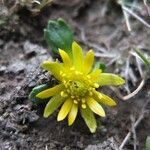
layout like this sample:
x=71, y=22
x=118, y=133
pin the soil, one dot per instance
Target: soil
x=98, y=25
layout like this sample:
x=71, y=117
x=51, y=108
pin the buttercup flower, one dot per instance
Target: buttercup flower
x=77, y=86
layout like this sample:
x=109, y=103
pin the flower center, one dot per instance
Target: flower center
x=76, y=89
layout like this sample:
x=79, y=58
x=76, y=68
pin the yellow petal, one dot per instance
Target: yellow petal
x=94, y=75
x=52, y=105
x=95, y=107
x=54, y=67
x=104, y=99
x=88, y=62
x=50, y=92
x=77, y=56
x=72, y=114
x=89, y=119
x=110, y=79
x=66, y=60
x=65, y=109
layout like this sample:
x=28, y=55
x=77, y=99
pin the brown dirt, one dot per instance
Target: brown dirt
x=22, y=49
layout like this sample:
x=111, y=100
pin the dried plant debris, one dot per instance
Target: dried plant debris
x=75, y=7
x=32, y=5
x=136, y=9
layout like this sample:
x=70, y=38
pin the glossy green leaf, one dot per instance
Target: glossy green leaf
x=148, y=143
x=89, y=119
x=100, y=65
x=37, y=90
x=59, y=35
x=144, y=59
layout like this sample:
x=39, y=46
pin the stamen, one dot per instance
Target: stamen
x=83, y=106
x=63, y=75
x=72, y=96
x=96, y=85
x=75, y=101
x=64, y=81
x=61, y=72
x=75, y=90
x=63, y=94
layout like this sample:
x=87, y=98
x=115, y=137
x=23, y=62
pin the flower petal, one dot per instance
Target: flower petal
x=54, y=67
x=95, y=107
x=50, y=92
x=65, y=109
x=88, y=62
x=104, y=99
x=110, y=79
x=72, y=114
x=77, y=56
x=66, y=59
x=89, y=119
x=94, y=75
x=52, y=105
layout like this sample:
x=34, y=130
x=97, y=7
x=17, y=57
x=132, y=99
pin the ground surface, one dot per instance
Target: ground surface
x=97, y=25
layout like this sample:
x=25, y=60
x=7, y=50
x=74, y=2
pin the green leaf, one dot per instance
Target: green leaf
x=100, y=65
x=37, y=90
x=148, y=143
x=59, y=35
x=89, y=119
x=53, y=104
x=145, y=60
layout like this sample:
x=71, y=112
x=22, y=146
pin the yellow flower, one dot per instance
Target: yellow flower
x=77, y=86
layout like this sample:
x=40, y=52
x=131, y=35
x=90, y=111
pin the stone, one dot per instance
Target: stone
x=16, y=67
x=2, y=69
x=31, y=50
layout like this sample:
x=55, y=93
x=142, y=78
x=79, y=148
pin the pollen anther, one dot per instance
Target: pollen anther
x=83, y=106
x=63, y=75
x=63, y=94
x=96, y=85
x=72, y=96
x=61, y=72
x=75, y=101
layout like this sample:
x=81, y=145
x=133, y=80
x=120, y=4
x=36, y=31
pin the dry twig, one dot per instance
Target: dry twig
x=135, y=91
x=138, y=121
x=135, y=16
x=126, y=16
x=127, y=97
x=147, y=7
x=134, y=131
